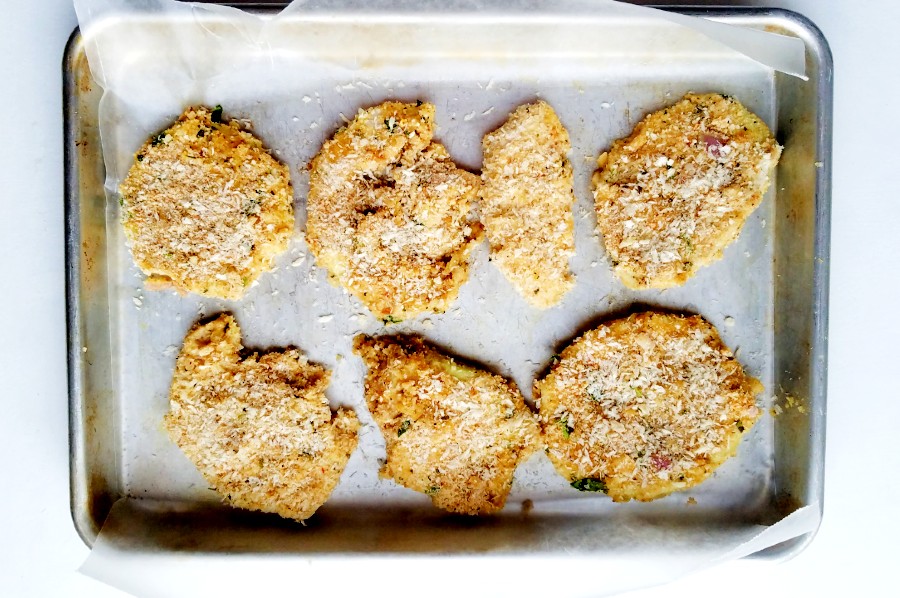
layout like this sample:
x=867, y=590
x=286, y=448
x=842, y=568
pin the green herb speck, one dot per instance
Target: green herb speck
x=404, y=428
x=432, y=490
x=390, y=319
x=564, y=426
x=740, y=425
x=216, y=116
x=251, y=206
x=590, y=485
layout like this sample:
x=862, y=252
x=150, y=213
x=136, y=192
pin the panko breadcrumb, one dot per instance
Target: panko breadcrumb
x=674, y=194
x=526, y=203
x=205, y=207
x=259, y=429
x=646, y=405
x=453, y=432
x=388, y=212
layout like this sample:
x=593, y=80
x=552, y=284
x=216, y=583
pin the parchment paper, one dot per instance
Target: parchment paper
x=149, y=573
x=294, y=78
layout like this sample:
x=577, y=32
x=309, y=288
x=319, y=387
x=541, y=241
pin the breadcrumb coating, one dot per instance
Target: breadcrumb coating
x=526, y=203
x=645, y=405
x=677, y=191
x=259, y=429
x=205, y=207
x=453, y=431
x=388, y=212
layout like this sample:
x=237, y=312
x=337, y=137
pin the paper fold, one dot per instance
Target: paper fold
x=120, y=558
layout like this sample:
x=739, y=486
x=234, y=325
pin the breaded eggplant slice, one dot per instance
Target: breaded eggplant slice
x=388, y=212
x=453, y=431
x=644, y=406
x=259, y=429
x=205, y=207
x=677, y=191
x=526, y=203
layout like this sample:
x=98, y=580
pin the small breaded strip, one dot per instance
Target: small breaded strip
x=645, y=405
x=677, y=191
x=259, y=429
x=205, y=207
x=388, y=212
x=452, y=431
x=526, y=203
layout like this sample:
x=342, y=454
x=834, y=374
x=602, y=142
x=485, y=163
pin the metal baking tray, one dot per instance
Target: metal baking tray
x=772, y=285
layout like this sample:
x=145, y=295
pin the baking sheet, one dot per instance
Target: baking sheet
x=295, y=85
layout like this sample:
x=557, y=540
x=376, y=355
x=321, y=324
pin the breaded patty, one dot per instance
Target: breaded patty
x=205, y=207
x=259, y=429
x=675, y=193
x=388, y=212
x=452, y=431
x=526, y=203
x=646, y=405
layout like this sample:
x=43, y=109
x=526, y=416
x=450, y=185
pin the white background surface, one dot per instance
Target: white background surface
x=855, y=548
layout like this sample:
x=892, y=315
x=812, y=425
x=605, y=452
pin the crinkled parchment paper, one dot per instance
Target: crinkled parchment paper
x=294, y=78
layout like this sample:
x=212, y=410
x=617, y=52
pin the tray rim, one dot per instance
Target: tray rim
x=816, y=44
x=85, y=526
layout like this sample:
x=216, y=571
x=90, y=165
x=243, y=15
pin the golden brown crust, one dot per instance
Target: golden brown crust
x=205, y=207
x=677, y=191
x=388, y=212
x=259, y=429
x=645, y=405
x=453, y=432
x=526, y=203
